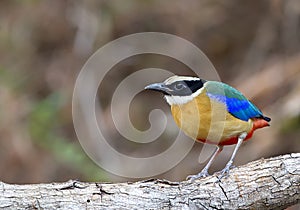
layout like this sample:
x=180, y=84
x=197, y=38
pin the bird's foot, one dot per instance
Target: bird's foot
x=225, y=171
x=203, y=173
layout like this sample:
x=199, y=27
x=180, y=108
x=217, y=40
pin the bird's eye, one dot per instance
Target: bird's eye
x=179, y=86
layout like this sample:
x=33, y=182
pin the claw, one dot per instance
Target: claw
x=225, y=171
x=203, y=173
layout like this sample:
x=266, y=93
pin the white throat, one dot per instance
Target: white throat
x=179, y=100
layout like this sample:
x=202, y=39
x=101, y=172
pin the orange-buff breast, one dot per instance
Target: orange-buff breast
x=207, y=120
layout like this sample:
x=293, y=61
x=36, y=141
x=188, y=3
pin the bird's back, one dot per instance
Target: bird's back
x=237, y=104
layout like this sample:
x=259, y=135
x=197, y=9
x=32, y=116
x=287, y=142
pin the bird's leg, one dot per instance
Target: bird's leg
x=225, y=171
x=204, y=171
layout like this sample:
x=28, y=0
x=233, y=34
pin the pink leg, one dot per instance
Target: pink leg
x=225, y=171
x=204, y=171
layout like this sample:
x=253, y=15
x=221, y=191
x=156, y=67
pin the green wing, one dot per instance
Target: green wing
x=237, y=104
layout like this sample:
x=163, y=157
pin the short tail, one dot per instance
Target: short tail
x=266, y=118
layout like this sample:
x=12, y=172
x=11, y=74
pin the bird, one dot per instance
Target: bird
x=211, y=112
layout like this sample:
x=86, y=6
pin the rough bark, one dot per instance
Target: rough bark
x=264, y=184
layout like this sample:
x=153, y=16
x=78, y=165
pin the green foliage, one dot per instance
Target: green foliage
x=44, y=121
x=290, y=125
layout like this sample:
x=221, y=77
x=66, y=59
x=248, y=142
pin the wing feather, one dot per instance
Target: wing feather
x=237, y=104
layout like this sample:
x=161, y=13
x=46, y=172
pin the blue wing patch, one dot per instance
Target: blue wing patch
x=237, y=104
x=242, y=109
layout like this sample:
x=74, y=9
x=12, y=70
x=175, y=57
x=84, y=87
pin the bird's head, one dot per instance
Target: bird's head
x=179, y=89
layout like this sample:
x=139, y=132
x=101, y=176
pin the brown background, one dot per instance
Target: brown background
x=254, y=45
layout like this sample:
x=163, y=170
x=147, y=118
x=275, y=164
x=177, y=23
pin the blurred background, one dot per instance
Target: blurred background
x=254, y=45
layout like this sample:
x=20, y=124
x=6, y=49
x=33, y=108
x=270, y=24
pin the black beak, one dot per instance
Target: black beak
x=160, y=87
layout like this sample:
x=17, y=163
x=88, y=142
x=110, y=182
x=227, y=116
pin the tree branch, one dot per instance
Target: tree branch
x=264, y=184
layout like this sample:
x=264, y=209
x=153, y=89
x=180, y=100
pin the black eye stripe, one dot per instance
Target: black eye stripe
x=174, y=85
x=189, y=87
x=194, y=85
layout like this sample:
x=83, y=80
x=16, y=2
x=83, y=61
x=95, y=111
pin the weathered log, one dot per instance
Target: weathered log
x=272, y=183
